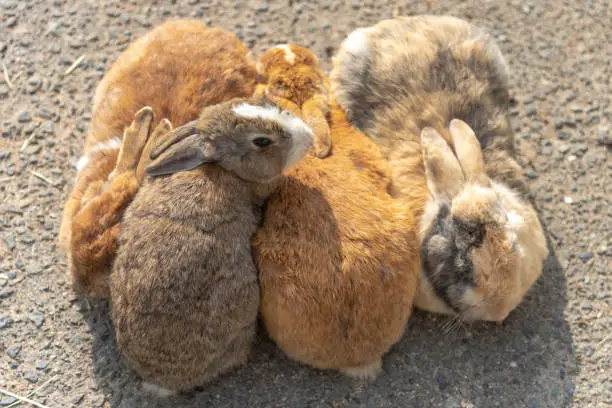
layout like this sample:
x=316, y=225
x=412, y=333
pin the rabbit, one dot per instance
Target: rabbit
x=184, y=287
x=338, y=257
x=482, y=245
x=176, y=69
x=289, y=80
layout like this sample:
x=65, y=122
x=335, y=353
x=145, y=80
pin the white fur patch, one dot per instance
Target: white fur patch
x=357, y=43
x=301, y=133
x=368, y=372
x=289, y=55
x=111, y=144
x=157, y=390
x=80, y=165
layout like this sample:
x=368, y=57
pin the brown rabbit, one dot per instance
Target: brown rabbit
x=338, y=257
x=290, y=77
x=177, y=69
x=482, y=243
x=184, y=285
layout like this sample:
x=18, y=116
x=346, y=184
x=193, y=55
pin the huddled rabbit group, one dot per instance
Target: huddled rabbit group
x=214, y=189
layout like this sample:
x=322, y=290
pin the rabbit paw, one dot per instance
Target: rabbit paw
x=367, y=372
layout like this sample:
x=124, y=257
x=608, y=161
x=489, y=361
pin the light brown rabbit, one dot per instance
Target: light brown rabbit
x=338, y=257
x=290, y=79
x=482, y=243
x=177, y=69
x=184, y=285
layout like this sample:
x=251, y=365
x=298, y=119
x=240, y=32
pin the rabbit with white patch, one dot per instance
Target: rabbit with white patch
x=421, y=87
x=184, y=285
x=176, y=69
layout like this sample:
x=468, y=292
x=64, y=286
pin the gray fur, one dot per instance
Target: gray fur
x=184, y=286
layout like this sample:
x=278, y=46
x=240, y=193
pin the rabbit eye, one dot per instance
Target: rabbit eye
x=262, y=142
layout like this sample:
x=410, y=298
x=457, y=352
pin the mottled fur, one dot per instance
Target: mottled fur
x=177, y=69
x=338, y=257
x=402, y=75
x=291, y=78
x=184, y=285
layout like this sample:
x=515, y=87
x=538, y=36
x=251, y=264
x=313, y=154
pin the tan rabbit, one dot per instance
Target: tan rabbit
x=290, y=79
x=338, y=257
x=482, y=243
x=184, y=285
x=177, y=69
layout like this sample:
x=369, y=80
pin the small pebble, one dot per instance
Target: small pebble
x=13, y=352
x=5, y=322
x=443, y=383
x=24, y=117
x=569, y=387
x=6, y=293
x=6, y=401
x=563, y=135
x=42, y=365
x=530, y=109
x=37, y=318
x=30, y=376
x=585, y=256
x=533, y=402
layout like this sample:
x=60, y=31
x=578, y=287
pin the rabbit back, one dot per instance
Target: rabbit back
x=337, y=256
x=184, y=286
x=404, y=74
x=177, y=69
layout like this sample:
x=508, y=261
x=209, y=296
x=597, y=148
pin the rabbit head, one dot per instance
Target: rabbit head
x=290, y=72
x=482, y=247
x=255, y=142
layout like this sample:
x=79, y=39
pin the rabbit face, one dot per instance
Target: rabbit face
x=290, y=72
x=257, y=143
x=471, y=252
x=470, y=255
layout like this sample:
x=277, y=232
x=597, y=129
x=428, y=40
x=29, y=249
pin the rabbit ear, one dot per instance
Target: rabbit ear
x=469, y=152
x=172, y=138
x=190, y=151
x=444, y=176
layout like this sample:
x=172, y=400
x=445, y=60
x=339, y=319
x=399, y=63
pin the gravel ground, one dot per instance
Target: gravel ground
x=554, y=351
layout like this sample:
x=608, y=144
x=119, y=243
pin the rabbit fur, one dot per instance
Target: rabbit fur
x=337, y=255
x=288, y=79
x=184, y=285
x=482, y=243
x=176, y=69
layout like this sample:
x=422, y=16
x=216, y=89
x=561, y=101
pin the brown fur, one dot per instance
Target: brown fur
x=449, y=70
x=184, y=285
x=177, y=69
x=291, y=78
x=338, y=257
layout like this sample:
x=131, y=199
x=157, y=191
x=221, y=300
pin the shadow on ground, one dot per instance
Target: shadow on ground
x=528, y=361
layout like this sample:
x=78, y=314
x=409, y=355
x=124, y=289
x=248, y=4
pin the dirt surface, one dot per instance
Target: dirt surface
x=554, y=351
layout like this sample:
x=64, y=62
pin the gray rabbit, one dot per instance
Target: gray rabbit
x=184, y=286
